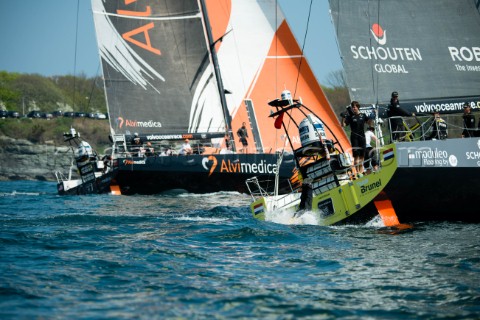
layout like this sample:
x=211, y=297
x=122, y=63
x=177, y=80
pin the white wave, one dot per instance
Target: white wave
x=376, y=222
x=183, y=218
x=287, y=217
x=15, y=194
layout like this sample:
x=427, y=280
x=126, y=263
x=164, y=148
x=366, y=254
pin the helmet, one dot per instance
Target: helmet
x=394, y=94
x=136, y=134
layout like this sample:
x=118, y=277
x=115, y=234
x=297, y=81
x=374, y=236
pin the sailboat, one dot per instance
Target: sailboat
x=427, y=51
x=95, y=174
x=199, y=69
x=327, y=189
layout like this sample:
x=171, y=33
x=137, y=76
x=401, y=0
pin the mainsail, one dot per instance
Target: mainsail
x=427, y=50
x=157, y=69
x=159, y=74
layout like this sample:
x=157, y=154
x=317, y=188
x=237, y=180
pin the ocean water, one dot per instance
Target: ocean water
x=187, y=256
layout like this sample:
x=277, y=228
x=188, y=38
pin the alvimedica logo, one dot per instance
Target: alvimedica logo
x=137, y=124
x=119, y=122
x=227, y=166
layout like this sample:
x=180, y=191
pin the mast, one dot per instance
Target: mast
x=221, y=89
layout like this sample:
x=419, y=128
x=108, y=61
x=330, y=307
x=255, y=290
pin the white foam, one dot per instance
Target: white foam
x=183, y=218
x=287, y=217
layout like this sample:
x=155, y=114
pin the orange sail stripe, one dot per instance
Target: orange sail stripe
x=219, y=12
x=277, y=70
x=280, y=72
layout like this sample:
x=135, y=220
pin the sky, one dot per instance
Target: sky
x=39, y=36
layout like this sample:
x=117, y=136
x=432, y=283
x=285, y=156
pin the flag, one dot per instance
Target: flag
x=278, y=121
x=258, y=208
x=388, y=154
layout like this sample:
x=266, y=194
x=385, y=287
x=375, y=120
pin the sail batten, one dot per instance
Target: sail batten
x=196, y=15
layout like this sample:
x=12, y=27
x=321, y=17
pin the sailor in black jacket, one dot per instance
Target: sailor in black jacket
x=357, y=121
x=468, y=121
x=439, y=128
x=395, y=111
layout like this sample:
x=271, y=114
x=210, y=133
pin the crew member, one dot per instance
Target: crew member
x=186, y=148
x=370, y=154
x=243, y=135
x=357, y=135
x=439, y=128
x=468, y=121
x=395, y=112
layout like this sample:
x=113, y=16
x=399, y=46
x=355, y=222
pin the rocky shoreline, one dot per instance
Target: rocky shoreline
x=23, y=160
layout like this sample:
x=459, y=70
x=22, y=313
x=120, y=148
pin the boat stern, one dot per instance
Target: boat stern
x=258, y=208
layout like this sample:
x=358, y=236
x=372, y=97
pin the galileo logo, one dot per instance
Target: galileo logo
x=453, y=160
x=379, y=34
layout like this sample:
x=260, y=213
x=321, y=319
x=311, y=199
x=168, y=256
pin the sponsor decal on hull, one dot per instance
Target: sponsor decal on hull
x=367, y=186
x=227, y=166
x=435, y=157
x=130, y=162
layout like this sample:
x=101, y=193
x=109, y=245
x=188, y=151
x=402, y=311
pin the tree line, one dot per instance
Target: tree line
x=27, y=92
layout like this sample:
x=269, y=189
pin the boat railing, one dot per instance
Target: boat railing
x=257, y=190
x=125, y=149
x=60, y=177
x=419, y=128
x=263, y=188
x=284, y=201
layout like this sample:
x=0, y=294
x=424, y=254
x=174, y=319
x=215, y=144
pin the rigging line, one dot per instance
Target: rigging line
x=94, y=83
x=369, y=26
x=377, y=74
x=75, y=54
x=303, y=47
x=276, y=65
x=276, y=48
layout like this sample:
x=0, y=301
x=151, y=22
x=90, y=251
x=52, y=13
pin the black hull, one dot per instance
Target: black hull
x=100, y=185
x=437, y=181
x=199, y=173
x=435, y=194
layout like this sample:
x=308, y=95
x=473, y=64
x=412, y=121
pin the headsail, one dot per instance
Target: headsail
x=259, y=58
x=157, y=68
x=428, y=51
